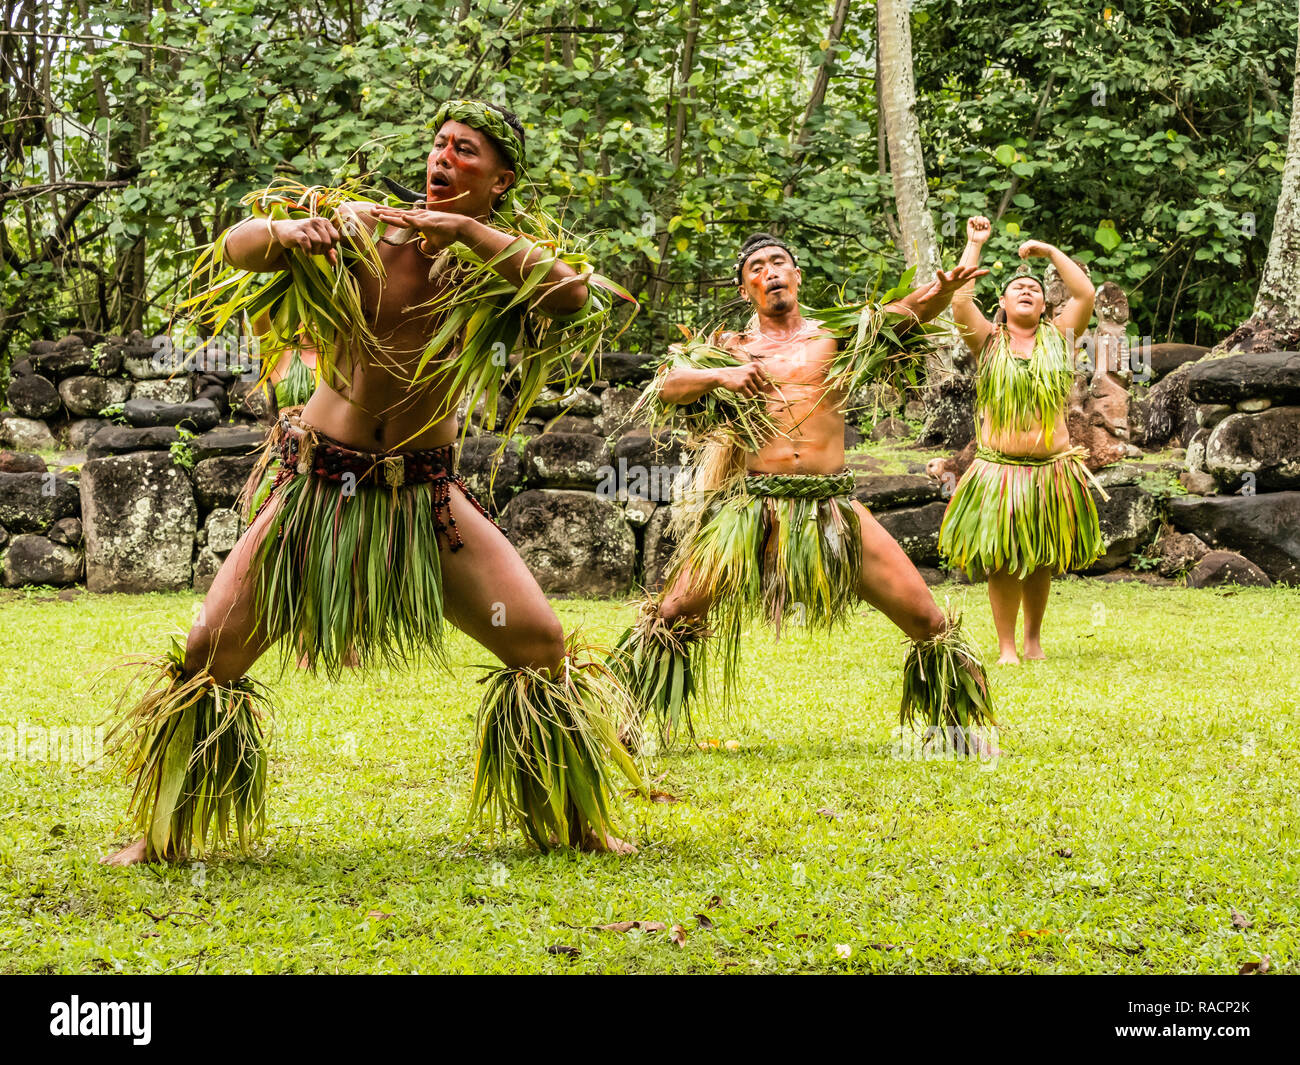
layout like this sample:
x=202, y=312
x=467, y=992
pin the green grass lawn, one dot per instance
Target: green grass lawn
x=1148, y=789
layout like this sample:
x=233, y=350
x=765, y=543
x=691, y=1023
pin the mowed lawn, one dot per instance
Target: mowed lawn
x=1147, y=793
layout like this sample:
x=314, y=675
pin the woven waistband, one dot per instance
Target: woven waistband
x=305, y=450
x=1074, y=455
x=800, y=485
x=989, y=455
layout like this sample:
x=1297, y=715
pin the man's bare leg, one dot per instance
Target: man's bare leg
x=226, y=638
x=492, y=597
x=1005, y=593
x=891, y=583
x=1036, y=589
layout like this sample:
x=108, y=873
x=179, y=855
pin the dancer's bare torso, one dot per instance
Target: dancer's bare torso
x=377, y=410
x=809, y=415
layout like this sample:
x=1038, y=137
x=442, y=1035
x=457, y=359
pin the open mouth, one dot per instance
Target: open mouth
x=439, y=181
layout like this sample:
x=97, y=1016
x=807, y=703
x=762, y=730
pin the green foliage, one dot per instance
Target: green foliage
x=1157, y=157
x=182, y=452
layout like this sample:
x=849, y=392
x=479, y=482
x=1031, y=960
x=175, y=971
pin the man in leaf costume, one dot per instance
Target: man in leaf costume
x=772, y=530
x=369, y=541
x=1023, y=510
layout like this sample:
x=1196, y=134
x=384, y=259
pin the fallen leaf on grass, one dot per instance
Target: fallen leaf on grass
x=560, y=948
x=663, y=796
x=627, y=926
x=704, y=923
x=732, y=745
x=761, y=929
x=678, y=935
x=843, y=950
x=1036, y=933
x=1065, y=852
x=1256, y=968
x=714, y=902
x=379, y=915
x=828, y=813
x=1240, y=920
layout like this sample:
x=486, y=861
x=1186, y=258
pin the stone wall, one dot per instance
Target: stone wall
x=142, y=498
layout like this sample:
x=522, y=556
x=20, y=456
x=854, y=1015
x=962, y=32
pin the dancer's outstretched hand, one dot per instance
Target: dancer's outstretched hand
x=440, y=228
x=978, y=229
x=929, y=300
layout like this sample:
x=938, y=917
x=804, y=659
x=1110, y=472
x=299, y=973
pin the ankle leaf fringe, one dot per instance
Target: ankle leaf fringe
x=197, y=750
x=944, y=683
x=547, y=750
x=662, y=663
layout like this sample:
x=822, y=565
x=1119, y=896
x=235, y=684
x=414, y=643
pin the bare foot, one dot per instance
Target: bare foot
x=1008, y=658
x=606, y=843
x=1034, y=650
x=127, y=855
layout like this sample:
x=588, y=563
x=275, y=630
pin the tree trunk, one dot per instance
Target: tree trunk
x=906, y=163
x=818, y=96
x=1275, y=323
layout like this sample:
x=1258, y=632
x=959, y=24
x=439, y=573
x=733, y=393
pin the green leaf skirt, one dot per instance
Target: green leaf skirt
x=788, y=549
x=349, y=572
x=1018, y=515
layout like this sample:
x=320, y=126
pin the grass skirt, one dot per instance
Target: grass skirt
x=1009, y=513
x=787, y=549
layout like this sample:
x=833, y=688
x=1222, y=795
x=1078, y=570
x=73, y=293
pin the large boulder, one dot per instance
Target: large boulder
x=34, y=396
x=32, y=502
x=248, y=399
x=657, y=550
x=218, y=481
x=82, y=431
x=26, y=434
x=566, y=460
x=87, y=395
x=1226, y=567
x=228, y=440
x=163, y=390
x=1167, y=415
x=917, y=530
x=33, y=559
x=573, y=542
x=1176, y=553
x=882, y=491
x=147, y=359
x=197, y=417
x=643, y=467
x=220, y=530
x=1263, y=527
x=494, y=473
x=1273, y=375
x=627, y=368
x=21, y=462
x=1165, y=358
x=121, y=439
x=1265, y=445
x=1128, y=521
x=139, y=518
x=950, y=413
x=616, y=404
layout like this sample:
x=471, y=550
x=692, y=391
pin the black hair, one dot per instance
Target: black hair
x=753, y=243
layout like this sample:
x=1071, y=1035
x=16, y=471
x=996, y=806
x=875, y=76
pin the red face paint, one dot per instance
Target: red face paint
x=464, y=161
